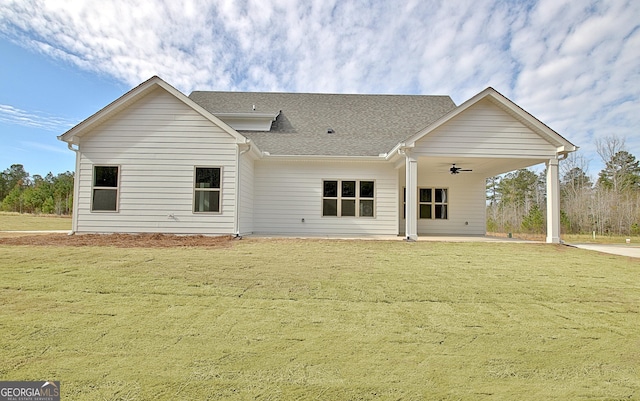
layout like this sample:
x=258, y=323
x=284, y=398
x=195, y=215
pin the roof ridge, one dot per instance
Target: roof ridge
x=318, y=93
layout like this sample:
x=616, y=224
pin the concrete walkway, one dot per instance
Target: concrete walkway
x=422, y=238
x=632, y=251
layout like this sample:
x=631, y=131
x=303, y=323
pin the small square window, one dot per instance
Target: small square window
x=348, y=207
x=207, y=201
x=329, y=207
x=105, y=199
x=366, y=208
x=425, y=195
x=330, y=189
x=366, y=189
x=208, y=178
x=348, y=189
x=425, y=211
x=105, y=176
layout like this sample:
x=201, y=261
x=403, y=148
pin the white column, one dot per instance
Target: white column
x=553, y=202
x=411, y=228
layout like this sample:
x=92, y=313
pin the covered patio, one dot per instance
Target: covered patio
x=486, y=136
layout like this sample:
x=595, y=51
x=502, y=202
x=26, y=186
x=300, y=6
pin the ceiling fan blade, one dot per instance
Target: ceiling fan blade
x=456, y=170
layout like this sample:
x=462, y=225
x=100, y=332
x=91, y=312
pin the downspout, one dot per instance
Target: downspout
x=236, y=228
x=76, y=189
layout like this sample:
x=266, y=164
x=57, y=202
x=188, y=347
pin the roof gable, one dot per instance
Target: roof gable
x=562, y=145
x=133, y=96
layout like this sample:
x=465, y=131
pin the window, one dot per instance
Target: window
x=104, y=196
x=348, y=198
x=207, y=190
x=433, y=203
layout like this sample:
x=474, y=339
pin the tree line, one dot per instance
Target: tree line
x=23, y=193
x=516, y=201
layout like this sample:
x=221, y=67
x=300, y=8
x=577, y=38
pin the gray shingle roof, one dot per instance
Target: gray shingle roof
x=364, y=125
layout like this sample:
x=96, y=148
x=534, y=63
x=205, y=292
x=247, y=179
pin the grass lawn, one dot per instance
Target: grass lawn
x=27, y=222
x=322, y=320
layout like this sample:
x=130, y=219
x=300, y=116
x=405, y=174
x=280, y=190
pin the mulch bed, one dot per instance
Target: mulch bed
x=120, y=240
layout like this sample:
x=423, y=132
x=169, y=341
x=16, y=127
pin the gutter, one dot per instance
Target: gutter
x=381, y=157
x=76, y=189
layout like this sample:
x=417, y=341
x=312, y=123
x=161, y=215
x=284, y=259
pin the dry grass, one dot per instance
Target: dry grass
x=27, y=222
x=312, y=319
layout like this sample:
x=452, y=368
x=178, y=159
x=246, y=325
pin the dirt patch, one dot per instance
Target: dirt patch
x=120, y=240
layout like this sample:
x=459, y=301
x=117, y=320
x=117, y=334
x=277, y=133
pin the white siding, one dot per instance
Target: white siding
x=287, y=192
x=466, y=206
x=246, y=194
x=157, y=142
x=484, y=130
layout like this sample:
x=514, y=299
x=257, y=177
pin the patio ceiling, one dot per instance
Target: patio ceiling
x=486, y=167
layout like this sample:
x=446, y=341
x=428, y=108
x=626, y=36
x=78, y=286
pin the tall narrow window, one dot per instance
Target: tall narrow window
x=404, y=203
x=366, y=198
x=348, y=198
x=207, y=190
x=426, y=203
x=441, y=204
x=104, y=197
x=330, y=198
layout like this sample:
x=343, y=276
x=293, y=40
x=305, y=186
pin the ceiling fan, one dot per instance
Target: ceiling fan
x=456, y=170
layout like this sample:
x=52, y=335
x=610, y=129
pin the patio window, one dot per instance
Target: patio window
x=433, y=203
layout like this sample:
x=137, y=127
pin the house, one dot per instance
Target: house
x=157, y=161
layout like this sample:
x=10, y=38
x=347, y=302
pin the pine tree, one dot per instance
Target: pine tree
x=621, y=173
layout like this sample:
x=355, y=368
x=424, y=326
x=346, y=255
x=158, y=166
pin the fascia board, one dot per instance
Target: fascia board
x=249, y=115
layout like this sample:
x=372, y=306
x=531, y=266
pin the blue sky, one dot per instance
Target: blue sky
x=573, y=64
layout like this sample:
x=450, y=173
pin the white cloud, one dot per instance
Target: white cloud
x=58, y=148
x=573, y=64
x=16, y=116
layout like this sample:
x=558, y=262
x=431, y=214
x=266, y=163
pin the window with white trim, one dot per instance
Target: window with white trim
x=433, y=203
x=348, y=198
x=105, y=188
x=207, y=189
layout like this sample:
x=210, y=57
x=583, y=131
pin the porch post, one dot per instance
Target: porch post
x=411, y=228
x=553, y=202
